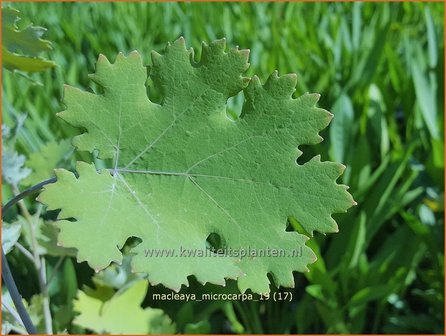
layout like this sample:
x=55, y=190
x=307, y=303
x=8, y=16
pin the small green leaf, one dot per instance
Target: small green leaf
x=34, y=309
x=10, y=235
x=47, y=239
x=46, y=234
x=26, y=41
x=12, y=61
x=108, y=317
x=13, y=170
x=44, y=162
x=202, y=327
x=21, y=47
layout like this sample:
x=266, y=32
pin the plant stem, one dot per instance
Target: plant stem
x=46, y=298
x=6, y=271
x=15, y=295
x=39, y=261
x=25, y=193
x=237, y=327
x=23, y=249
x=13, y=313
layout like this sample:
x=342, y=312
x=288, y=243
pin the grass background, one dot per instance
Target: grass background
x=378, y=67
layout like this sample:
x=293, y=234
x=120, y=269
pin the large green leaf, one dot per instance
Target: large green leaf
x=183, y=170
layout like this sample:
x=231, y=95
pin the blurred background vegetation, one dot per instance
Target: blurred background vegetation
x=379, y=67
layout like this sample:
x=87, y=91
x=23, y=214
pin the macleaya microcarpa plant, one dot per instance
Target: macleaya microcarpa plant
x=185, y=168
